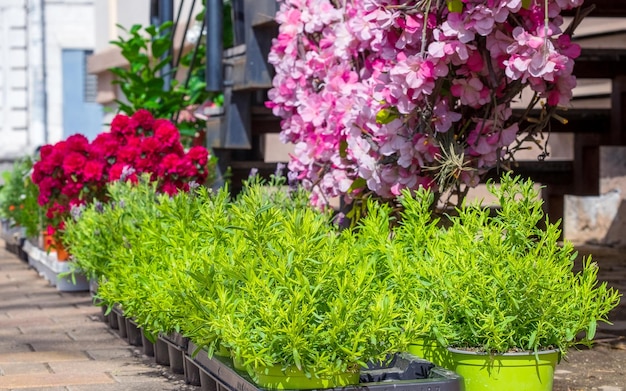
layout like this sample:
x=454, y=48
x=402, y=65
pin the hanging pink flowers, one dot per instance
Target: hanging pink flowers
x=377, y=95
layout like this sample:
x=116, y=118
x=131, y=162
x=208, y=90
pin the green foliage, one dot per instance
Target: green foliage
x=18, y=198
x=143, y=84
x=498, y=281
x=274, y=282
x=293, y=291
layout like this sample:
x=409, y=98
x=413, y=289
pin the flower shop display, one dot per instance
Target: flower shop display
x=74, y=172
x=279, y=289
x=503, y=287
x=215, y=270
x=378, y=96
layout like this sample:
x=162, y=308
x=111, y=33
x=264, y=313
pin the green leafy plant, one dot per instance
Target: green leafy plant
x=296, y=292
x=18, y=198
x=501, y=283
x=147, y=51
x=143, y=83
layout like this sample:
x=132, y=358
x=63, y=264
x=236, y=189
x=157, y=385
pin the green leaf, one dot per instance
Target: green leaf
x=359, y=183
x=591, y=329
x=455, y=6
x=160, y=47
x=385, y=116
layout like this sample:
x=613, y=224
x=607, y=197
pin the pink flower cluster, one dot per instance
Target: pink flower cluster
x=74, y=171
x=370, y=92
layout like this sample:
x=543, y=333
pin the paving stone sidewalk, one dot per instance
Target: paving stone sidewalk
x=56, y=341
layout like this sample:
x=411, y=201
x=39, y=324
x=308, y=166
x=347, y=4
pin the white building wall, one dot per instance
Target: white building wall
x=69, y=24
x=13, y=79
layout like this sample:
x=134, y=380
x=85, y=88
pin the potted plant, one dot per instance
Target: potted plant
x=511, y=301
x=298, y=304
x=74, y=172
x=18, y=205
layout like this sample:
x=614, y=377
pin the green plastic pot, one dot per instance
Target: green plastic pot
x=294, y=379
x=522, y=371
x=432, y=351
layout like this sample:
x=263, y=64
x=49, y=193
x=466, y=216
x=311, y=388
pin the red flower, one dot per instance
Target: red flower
x=115, y=173
x=46, y=189
x=169, y=188
x=145, y=119
x=150, y=145
x=186, y=168
x=167, y=134
x=73, y=163
x=104, y=146
x=198, y=155
x=72, y=190
x=74, y=172
x=38, y=175
x=128, y=154
x=77, y=143
x=119, y=123
x=45, y=151
x=169, y=164
x=93, y=170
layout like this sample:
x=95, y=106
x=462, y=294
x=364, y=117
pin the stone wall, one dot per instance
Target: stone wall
x=601, y=219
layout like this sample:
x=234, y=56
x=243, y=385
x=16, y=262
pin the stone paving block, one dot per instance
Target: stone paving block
x=86, y=324
x=53, y=380
x=43, y=335
x=136, y=376
x=16, y=368
x=9, y=332
x=16, y=298
x=85, y=336
x=67, y=312
x=69, y=367
x=52, y=356
x=109, y=354
x=156, y=385
x=44, y=346
x=24, y=321
x=14, y=346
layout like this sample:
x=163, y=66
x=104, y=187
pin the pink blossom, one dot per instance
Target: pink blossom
x=365, y=91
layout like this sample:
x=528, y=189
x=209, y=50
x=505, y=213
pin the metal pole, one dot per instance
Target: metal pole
x=214, y=45
x=166, y=13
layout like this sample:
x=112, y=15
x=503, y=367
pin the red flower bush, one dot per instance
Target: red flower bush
x=74, y=172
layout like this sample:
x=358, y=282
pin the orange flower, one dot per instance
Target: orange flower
x=12, y=208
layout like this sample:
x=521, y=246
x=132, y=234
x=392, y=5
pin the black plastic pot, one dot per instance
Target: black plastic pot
x=405, y=373
x=161, y=354
x=121, y=324
x=192, y=372
x=148, y=346
x=176, y=348
x=134, y=333
x=113, y=320
x=105, y=317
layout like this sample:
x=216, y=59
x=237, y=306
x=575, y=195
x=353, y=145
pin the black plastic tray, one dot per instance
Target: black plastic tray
x=222, y=372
